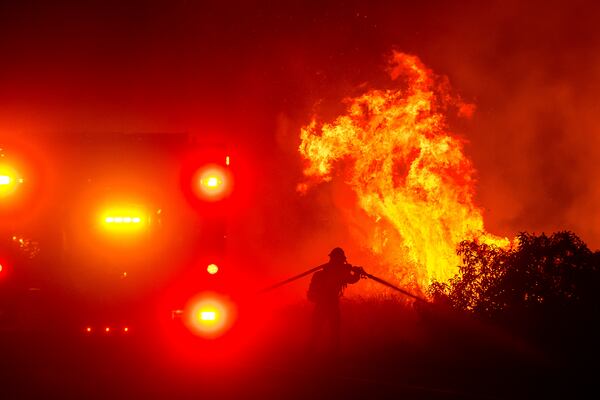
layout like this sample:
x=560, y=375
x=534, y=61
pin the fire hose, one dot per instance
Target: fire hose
x=386, y=283
x=293, y=278
x=362, y=273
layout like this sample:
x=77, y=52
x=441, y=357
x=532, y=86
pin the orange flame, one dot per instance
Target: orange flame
x=409, y=172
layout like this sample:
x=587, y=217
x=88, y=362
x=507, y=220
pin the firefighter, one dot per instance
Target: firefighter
x=326, y=287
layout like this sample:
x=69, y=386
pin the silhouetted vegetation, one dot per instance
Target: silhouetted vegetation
x=545, y=288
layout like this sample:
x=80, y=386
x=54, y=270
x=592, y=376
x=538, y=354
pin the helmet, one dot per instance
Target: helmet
x=337, y=254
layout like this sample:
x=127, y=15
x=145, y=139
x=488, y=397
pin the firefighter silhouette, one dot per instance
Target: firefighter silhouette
x=326, y=287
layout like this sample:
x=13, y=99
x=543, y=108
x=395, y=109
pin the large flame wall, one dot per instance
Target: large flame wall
x=408, y=170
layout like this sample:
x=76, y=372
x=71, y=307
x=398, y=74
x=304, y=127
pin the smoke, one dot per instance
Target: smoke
x=534, y=138
x=256, y=75
x=532, y=72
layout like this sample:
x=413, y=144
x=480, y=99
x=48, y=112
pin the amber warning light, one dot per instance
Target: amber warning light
x=212, y=269
x=124, y=219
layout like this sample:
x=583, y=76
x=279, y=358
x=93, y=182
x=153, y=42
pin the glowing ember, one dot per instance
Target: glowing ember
x=408, y=171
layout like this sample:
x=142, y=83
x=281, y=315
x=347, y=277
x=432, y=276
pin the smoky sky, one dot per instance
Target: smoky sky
x=256, y=72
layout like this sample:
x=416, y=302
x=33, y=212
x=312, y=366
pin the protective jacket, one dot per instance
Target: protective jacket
x=328, y=284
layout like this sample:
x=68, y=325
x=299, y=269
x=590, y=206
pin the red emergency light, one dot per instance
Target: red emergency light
x=4, y=269
x=106, y=330
x=212, y=182
x=9, y=180
x=209, y=315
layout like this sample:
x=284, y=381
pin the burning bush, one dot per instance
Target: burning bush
x=545, y=286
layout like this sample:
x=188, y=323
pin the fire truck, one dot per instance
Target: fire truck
x=112, y=234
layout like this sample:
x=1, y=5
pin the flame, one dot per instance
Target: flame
x=409, y=172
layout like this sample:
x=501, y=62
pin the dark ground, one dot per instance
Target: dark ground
x=426, y=354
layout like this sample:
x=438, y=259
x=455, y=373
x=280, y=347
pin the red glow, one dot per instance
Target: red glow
x=183, y=341
x=126, y=329
x=230, y=187
x=88, y=329
x=107, y=329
